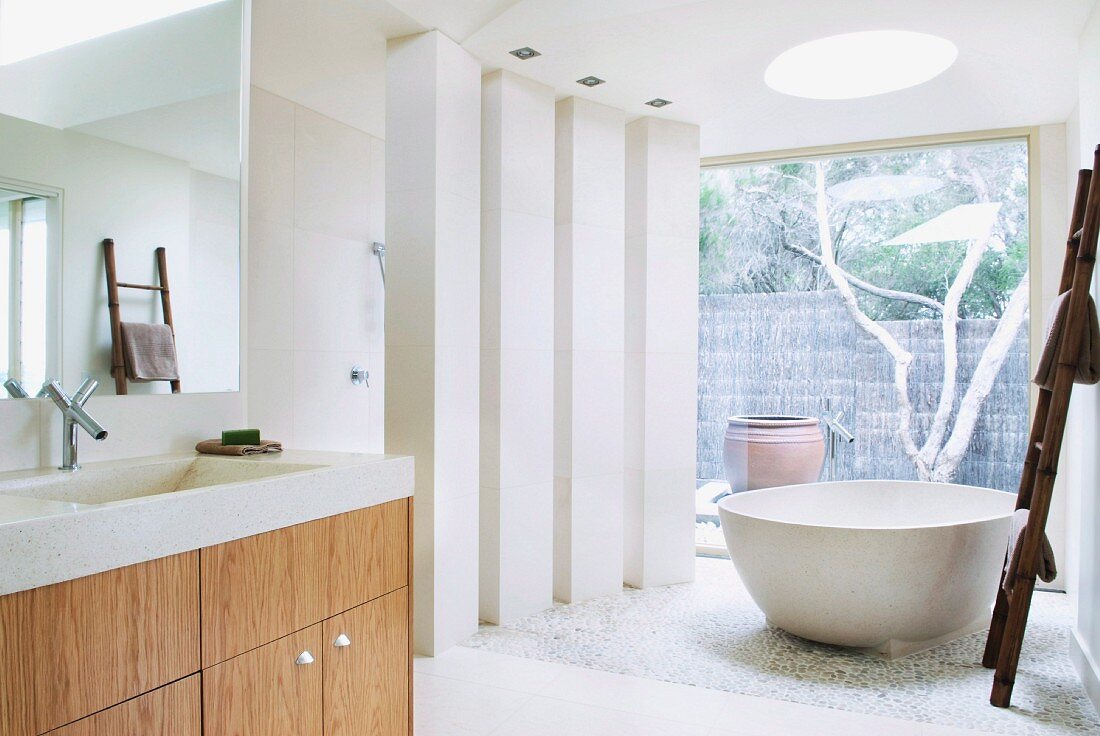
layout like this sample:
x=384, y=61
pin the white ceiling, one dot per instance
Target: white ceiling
x=171, y=86
x=328, y=55
x=193, y=54
x=1016, y=66
x=204, y=131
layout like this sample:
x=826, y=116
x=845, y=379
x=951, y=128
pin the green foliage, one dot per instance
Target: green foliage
x=758, y=221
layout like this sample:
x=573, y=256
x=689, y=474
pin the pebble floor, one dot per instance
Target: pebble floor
x=710, y=634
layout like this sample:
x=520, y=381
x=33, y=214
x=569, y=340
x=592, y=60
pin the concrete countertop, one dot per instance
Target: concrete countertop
x=58, y=526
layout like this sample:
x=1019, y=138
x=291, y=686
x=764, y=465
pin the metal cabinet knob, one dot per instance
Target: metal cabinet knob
x=304, y=658
x=360, y=376
x=342, y=641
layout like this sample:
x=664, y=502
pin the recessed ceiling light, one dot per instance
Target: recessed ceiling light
x=591, y=81
x=658, y=102
x=860, y=64
x=525, y=53
x=32, y=27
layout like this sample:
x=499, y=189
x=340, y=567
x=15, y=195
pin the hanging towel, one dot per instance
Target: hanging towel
x=149, y=352
x=1088, y=363
x=1047, y=571
x=215, y=447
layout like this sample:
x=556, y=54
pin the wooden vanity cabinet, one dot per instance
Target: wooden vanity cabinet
x=74, y=648
x=276, y=689
x=173, y=710
x=118, y=653
x=366, y=669
x=348, y=676
x=257, y=589
x=101, y=639
x=16, y=665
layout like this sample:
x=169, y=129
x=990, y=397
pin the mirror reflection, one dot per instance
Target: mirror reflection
x=120, y=122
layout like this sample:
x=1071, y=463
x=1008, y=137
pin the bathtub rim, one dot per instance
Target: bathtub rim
x=732, y=498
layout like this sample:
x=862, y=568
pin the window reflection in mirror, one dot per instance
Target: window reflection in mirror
x=24, y=287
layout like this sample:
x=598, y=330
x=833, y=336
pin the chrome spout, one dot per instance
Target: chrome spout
x=15, y=389
x=74, y=415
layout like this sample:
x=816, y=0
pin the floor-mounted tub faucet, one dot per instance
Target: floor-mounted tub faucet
x=72, y=410
x=834, y=432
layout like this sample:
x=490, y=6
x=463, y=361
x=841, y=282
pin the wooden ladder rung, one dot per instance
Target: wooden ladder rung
x=146, y=287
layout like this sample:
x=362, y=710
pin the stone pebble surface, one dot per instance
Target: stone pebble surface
x=710, y=634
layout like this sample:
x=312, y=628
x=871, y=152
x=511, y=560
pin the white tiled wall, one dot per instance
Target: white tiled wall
x=136, y=426
x=589, y=342
x=517, y=347
x=433, y=121
x=662, y=316
x=316, y=299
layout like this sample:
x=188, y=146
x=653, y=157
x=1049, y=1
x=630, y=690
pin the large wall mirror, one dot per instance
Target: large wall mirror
x=120, y=120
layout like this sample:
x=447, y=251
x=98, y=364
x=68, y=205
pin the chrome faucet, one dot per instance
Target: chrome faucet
x=16, y=391
x=834, y=432
x=72, y=410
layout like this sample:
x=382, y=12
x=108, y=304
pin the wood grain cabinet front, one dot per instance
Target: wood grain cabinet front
x=259, y=588
x=275, y=690
x=366, y=669
x=102, y=639
x=173, y=710
x=16, y=665
x=348, y=676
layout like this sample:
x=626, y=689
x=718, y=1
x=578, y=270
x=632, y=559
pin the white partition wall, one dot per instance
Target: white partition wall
x=433, y=210
x=588, y=325
x=662, y=318
x=517, y=347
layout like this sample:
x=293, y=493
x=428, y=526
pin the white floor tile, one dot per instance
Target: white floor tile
x=549, y=717
x=488, y=668
x=468, y=692
x=448, y=707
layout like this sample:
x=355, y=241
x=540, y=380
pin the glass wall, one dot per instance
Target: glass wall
x=890, y=288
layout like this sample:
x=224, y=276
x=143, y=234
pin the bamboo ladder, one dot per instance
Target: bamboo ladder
x=1006, y=629
x=118, y=365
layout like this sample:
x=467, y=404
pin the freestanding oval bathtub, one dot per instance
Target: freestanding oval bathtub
x=892, y=566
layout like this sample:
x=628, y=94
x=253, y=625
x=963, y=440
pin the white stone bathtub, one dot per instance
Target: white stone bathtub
x=890, y=566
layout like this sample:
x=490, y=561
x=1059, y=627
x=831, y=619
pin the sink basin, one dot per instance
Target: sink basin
x=93, y=486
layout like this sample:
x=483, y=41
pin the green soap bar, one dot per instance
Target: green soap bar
x=241, y=437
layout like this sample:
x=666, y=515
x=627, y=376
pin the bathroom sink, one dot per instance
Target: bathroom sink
x=105, y=485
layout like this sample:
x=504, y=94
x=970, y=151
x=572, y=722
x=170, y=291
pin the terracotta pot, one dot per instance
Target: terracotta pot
x=763, y=451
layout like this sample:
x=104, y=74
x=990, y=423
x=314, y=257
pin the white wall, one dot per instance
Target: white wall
x=209, y=328
x=137, y=426
x=433, y=211
x=517, y=347
x=662, y=350
x=316, y=299
x=589, y=325
x=1085, y=412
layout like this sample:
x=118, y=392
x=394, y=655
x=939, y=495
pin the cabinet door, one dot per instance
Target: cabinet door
x=104, y=638
x=368, y=554
x=173, y=710
x=257, y=589
x=367, y=669
x=16, y=673
x=273, y=690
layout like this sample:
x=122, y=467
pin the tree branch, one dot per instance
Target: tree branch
x=856, y=281
x=981, y=384
x=902, y=357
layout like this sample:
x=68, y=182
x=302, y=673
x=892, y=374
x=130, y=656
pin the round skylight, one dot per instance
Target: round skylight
x=860, y=64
